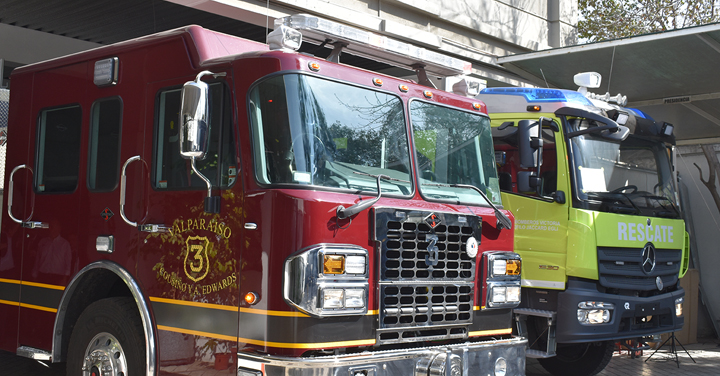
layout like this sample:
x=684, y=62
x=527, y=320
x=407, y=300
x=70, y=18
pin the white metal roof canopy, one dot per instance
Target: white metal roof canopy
x=673, y=76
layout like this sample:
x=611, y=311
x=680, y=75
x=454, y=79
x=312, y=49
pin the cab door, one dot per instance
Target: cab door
x=189, y=264
x=50, y=231
x=541, y=214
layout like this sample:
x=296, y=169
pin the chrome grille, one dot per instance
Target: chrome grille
x=621, y=268
x=418, y=300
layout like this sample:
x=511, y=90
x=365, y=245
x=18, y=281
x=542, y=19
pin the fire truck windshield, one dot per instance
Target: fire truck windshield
x=454, y=147
x=631, y=177
x=317, y=132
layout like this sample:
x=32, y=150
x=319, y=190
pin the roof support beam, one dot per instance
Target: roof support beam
x=710, y=42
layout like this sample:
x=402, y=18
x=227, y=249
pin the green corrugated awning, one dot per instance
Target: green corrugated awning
x=674, y=76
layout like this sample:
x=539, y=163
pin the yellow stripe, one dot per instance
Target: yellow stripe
x=194, y=304
x=362, y=342
x=27, y=283
x=196, y=333
x=476, y=308
x=10, y=303
x=31, y=306
x=43, y=285
x=273, y=313
x=490, y=332
x=235, y=309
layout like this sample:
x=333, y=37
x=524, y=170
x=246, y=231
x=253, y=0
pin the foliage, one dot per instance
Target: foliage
x=613, y=19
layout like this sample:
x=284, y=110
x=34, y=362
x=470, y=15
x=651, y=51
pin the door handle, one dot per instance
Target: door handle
x=123, y=190
x=24, y=223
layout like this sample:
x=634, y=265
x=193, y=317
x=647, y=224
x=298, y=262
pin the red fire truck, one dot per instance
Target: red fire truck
x=189, y=197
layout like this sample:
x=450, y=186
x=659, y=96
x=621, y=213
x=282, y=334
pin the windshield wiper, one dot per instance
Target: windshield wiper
x=502, y=220
x=342, y=212
x=617, y=198
x=666, y=213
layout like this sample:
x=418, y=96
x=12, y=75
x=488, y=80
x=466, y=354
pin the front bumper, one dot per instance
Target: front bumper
x=474, y=358
x=626, y=317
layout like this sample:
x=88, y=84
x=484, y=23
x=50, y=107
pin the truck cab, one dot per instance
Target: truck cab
x=190, y=198
x=592, y=188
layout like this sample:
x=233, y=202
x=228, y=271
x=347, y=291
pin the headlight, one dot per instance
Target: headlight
x=499, y=267
x=328, y=280
x=591, y=313
x=501, y=295
x=343, y=264
x=333, y=298
x=678, y=306
x=354, y=298
x=502, y=281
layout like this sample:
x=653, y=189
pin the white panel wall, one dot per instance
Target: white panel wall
x=706, y=225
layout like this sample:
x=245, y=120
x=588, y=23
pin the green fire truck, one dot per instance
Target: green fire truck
x=592, y=188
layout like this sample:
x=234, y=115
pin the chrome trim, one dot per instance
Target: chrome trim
x=10, y=195
x=123, y=189
x=500, y=280
x=303, y=280
x=467, y=358
x=150, y=348
x=33, y=353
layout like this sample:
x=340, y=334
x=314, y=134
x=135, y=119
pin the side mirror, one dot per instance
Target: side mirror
x=527, y=181
x=530, y=143
x=194, y=125
x=195, y=130
x=618, y=135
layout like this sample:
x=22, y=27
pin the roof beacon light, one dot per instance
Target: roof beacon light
x=587, y=80
x=284, y=38
x=377, y=47
x=466, y=87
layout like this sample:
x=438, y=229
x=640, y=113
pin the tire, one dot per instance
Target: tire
x=109, y=333
x=579, y=359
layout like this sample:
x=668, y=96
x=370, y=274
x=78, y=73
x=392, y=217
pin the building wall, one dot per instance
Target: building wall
x=704, y=228
x=475, y=30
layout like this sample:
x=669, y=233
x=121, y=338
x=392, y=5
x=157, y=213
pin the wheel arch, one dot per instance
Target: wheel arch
x=98, y=280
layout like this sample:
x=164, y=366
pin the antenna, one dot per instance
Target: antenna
x=611, y=69
x=543, y=74
x=267, y=17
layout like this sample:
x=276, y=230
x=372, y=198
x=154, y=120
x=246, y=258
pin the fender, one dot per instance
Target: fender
x=150, y=349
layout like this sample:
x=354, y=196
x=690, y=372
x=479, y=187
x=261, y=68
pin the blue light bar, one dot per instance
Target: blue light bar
x=537, y=95
x=639, y=113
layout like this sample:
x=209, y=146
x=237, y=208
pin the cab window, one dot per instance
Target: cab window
x=58, y=148
x=170, y=170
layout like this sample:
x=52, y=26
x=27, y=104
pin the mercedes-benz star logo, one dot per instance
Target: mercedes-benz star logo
x=648, y=259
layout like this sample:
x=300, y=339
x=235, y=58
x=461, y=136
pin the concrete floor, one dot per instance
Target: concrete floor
x=706, y=354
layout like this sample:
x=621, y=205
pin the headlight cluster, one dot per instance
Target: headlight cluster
x=678, y=306
x=592, y=313
x=503, y=279
x=328, y=280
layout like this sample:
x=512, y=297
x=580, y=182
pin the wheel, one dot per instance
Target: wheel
x=579, y=359
x=107, y=340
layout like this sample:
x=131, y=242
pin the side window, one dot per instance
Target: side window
x=104, y=150
x=507, y=157
x=170, y=170
x=58, y=149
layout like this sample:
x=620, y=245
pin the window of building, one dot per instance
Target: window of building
x=58, y=148
x=104, y=151
x=172, y=171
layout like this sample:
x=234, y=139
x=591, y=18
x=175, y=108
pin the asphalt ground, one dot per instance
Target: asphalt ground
x=706, y=354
